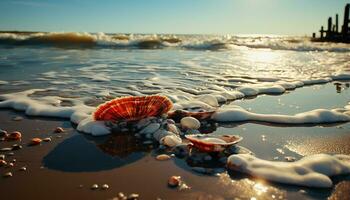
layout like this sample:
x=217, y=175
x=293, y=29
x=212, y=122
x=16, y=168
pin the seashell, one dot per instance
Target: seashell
x=190, y=123
x=174, y=181
x=48, y=139
x=3, y=163
x=171, y=140
x=133, y=108
x=8, y=174
x=163, y=157
x=15, y=135
x=105, y=186
x=94, y=187
x=200, y=115
x=133, y=196
x=151, y=128
x=172, y=128
x=213, y=143
x=35, y=141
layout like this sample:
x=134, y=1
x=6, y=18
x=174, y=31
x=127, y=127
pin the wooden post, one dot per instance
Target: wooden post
x=313, y=35
x=336, y=23
x=329, y=29
x=321, y=31
x=345, y=29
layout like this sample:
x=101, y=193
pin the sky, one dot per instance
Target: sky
x=282, y=17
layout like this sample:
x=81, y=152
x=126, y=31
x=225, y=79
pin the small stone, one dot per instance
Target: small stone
x=35, y=141
x=163, y=157
x=290, y=158
x=151, y=128
x=3, y=163
x=48, y=139
x=133, y=196
x=105, y=186
x=5, y=149
x=3, y=133
x=17, y=118
x=58, y=130
x=94, y=187
x=16, y=147
x=23, y=169
x=174, y=181
x=190, y=123
x=8, y=174
x=15, y=135
x=121, y=195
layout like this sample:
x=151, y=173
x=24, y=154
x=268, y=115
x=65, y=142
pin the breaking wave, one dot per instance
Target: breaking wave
x=144, y=41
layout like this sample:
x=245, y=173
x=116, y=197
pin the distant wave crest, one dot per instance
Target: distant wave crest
x=142, y=41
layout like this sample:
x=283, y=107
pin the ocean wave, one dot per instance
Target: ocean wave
x=144, y=41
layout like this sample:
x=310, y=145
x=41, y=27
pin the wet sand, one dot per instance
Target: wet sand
x=72, y=162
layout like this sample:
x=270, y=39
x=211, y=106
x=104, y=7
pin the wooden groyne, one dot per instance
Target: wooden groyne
x=332, y=34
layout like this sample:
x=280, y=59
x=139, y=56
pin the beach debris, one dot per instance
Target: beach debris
x=94, y=187
x=174, y=181
x=190, y=123
x=105, y=187
x=8, y=174
x=5, y=149
x=58, y=130
x=16, y=147
x=23, y=169
x=35, y=141
x=3, y=163
x=133, y=108
x=213, y=143
x=48, y=139
x=15, y=135
x=163, y=157
x=133, y=196
x=2, y=157
x=10, y=164
x=17, y=118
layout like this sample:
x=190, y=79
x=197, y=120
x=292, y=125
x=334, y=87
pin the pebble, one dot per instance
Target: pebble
x=290, y=158
x=23, y=169
x=163, y=157
x=3, y=163
x=105, y=186
x=133, y=196
x=151, y=128
x=58, y=130
x=6, y=149
x=35, y=141
x=94, y=187
x=121, y=195
x=17, y=118
x=48, y=139
x=174, y=181
x=172, y=128
x=3, y=133
x=8, y=174
x=15, y=135
x=190, y=123
x=16, y=147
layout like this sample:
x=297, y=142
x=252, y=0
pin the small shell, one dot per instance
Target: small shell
x=35, y=141
x=172, y=128
x=171, y=140
x=163, y=157
x=15, y=135
x=58, y=130
x=190, y=123
x=105, y=186
x=3, y=163
x=174, y=181
x=48, y=139
x=8, y=174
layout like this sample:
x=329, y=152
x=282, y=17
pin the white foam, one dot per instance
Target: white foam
x=3, y=82
x=310, y=171
x=233, y=113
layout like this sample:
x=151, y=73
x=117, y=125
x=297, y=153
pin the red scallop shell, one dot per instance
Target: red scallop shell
x=133, y=108
x=206, y=146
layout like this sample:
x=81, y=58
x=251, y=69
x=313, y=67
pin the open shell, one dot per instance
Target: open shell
x=133, y=108
x=213, y=143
